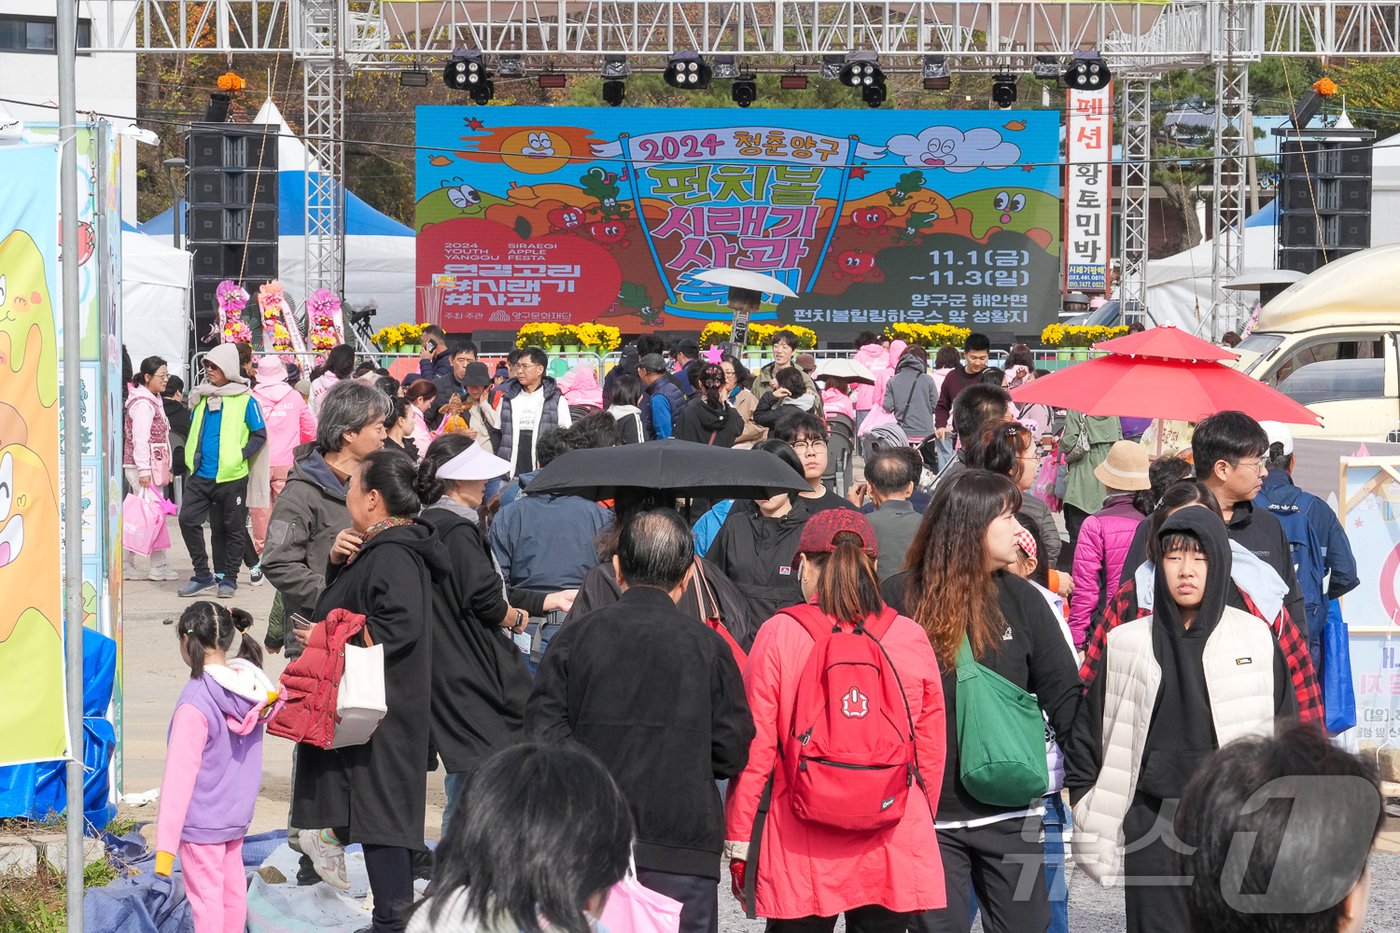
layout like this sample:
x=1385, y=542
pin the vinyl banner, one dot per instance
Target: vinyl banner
x=32, y=708
x=871, y=217
x=1088, y=199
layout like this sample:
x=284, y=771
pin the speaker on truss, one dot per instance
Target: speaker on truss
x=231, y=211
x=1324, y=196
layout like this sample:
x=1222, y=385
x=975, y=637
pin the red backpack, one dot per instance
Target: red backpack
x=850, y=753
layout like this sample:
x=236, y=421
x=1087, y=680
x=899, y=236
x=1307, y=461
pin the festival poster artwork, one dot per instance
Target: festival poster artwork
x=33, y=723
x=595, y=214
x=1088, y=199
x=1375, y=676
x=1369, y=510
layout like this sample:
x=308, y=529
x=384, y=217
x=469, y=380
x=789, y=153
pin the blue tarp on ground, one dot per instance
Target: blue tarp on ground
x=38, y=791
x=144, y=903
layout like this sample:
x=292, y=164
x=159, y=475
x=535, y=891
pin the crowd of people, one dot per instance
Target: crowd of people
x=892, y=699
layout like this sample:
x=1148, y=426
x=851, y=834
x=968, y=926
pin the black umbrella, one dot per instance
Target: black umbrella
x=683, y=468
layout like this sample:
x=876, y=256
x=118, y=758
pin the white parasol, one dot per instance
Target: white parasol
x=850, y=370
x=745, y=278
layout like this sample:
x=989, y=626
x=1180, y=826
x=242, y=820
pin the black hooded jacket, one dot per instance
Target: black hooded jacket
x=759, y=555
x=1254, y=529
x=718, y=427
x=1182, y=730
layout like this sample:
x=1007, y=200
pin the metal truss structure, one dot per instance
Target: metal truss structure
x=1133, y=185
x=317, y=35
x=1139, y=40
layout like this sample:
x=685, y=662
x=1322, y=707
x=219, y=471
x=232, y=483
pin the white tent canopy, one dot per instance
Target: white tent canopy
x=155, y=293
x=1178, y=287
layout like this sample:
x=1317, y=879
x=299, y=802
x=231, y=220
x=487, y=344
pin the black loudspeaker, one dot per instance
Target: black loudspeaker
x=1324, y=197
x=231, y=203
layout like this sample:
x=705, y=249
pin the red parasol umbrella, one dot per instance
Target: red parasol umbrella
x=1166, y=343
x=1175, y=390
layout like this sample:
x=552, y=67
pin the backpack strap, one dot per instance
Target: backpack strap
x=810, y=617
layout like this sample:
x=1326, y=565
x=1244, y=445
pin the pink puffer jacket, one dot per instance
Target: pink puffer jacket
x=1103, y=544
x=877, y=359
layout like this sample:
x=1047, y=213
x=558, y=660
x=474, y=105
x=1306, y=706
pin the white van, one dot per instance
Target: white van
x=1329, y=342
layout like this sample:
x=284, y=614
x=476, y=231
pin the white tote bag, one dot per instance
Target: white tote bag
x=359, y=706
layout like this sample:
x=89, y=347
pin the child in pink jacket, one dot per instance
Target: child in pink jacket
x=213, y=765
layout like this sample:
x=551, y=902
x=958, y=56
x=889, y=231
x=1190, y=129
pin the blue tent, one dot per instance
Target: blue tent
x=360, y=218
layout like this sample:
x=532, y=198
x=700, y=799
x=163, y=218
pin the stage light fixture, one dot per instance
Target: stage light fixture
x=616, y=66
x=413, y=78
x=1004, y=91
x=1087, y=72
x=791, y=82
x=726, y=67
x=861, y=70
x=466, y=71
x=687, y=71
x=831, y=66
x=863, y=73
x=936, y=74
x=614, y=92
x=216, y=111
x=510, y=66
x=553, y=80
x=744, y=91
x=1046, y=68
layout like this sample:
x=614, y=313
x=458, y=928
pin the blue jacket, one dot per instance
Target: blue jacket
x=1320, y=547
x=546, y=542
x=664, y=401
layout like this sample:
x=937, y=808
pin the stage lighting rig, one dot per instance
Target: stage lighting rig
x=466, y=71
x=1004, y=91
x=1087, y=72
x=744, y=91
x=688, y=71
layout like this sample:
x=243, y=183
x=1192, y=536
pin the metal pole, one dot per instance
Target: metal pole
x=67, y=41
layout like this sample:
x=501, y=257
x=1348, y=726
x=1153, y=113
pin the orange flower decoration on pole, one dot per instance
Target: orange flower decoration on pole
x=229, y=81
x=1325, y=86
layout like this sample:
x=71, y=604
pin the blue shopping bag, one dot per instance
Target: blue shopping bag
x=1338, y=695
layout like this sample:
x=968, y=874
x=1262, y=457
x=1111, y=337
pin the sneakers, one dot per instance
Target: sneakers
x=255, y=574
x=227, y=589
x=198, y=585
x=164, y=574
x=327, y=859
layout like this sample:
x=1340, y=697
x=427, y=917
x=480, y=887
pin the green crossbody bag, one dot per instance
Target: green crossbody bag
x=1001, y=737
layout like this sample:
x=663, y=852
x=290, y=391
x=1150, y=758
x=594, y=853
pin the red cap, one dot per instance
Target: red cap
x=819, y=534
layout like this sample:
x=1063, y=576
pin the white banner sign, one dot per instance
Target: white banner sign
x=1088, y=189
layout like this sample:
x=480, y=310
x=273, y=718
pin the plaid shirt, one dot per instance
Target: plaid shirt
x=1124, y=606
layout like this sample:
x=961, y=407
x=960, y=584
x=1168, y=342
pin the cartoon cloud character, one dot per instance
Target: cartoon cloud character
x=952, y=150
x=31, y=650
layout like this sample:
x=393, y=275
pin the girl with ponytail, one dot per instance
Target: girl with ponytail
x=383, y=568
x=878, y=875
x=213, y=764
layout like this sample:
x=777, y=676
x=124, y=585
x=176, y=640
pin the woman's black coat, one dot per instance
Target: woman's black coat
x=480, y=681
x=378, y=791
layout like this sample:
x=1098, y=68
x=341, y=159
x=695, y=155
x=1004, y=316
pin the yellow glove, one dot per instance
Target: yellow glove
x=165, y=864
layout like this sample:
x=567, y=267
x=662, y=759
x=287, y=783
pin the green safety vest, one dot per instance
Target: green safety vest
x=233, y=437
